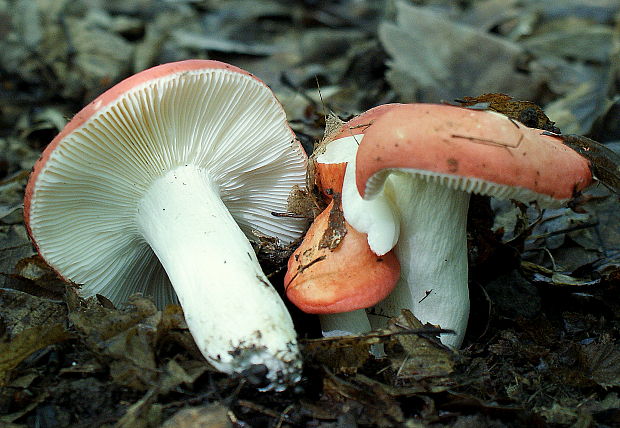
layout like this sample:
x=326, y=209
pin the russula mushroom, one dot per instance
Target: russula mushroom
x=154, y=187
x=334, y=271
x=425, y=160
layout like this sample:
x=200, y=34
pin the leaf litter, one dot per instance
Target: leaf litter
x=542, y=346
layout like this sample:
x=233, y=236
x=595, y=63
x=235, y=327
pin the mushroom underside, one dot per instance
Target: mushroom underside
x=159, y=181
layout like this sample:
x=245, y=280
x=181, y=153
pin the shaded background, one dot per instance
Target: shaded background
x=542, y=347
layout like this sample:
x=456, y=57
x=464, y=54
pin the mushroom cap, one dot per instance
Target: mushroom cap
x=81, y=200
x=330, y=175
x=360, y=123
x=476, y=151
x=322, y=280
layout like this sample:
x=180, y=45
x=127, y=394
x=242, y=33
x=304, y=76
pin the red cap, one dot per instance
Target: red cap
x=458, y=142
x=320, y=280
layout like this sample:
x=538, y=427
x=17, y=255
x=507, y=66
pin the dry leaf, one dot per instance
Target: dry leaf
x=212, y=416
x=25, y=343
x=602, y=360
x=436, y=59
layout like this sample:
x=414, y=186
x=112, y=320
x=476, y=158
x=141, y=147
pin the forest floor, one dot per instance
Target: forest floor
x=542, y=348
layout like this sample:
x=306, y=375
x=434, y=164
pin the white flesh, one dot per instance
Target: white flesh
x=235, y=316
x=378, y=218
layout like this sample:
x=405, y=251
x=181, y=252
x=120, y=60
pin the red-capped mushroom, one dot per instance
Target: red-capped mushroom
x=334, y=271
x=425, y=160
x=157, y=184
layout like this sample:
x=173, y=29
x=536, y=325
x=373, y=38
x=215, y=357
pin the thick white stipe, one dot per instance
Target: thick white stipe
x=216, y=276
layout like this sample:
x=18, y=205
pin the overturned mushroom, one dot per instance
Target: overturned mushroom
x=153, y=187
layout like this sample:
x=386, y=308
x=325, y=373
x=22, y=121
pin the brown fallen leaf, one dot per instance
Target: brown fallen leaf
x=212, y=416
x=423, y=358
x=604, y=162
x=124, y=340
x=342, y=354
x=24, y=344
x=370, y=401
x=526, y=112
x=541, y=274
x=602, y=361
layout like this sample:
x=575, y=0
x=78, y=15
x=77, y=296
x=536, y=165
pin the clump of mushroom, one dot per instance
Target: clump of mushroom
x=155, y=186
x=407, y=186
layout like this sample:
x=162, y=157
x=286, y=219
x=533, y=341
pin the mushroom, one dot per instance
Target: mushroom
x=333, y=272
x=425, y=160
x=155, y=186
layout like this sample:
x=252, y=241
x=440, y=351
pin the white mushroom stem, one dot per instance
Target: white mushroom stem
x=235, y=316
x=348, y=324
x=432, y=250
x=345, y=323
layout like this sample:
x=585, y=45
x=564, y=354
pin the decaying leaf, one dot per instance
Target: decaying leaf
x=332, y=126
x=340, y=354
x=124, y=340
x=562, y=415
x=336, y=230
x=143, y=413
x=602, y=361
x=172, y=331
x=271, y=253
x=11, y=191
x=414, y=353
x=526, y=112
x=426, y=68
x=542, y=274
x=199, y=41
x=174, y=375
x=585, y=99
x=25, y=343
x=604, y=162
x=8, y=420
x=367, y=401
x=14, y=245
x=461, y=402
x=422, y=358
x=574, y=38
x=301, y=204
x=20, y=311
x=211, y=416
x=39, y=275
